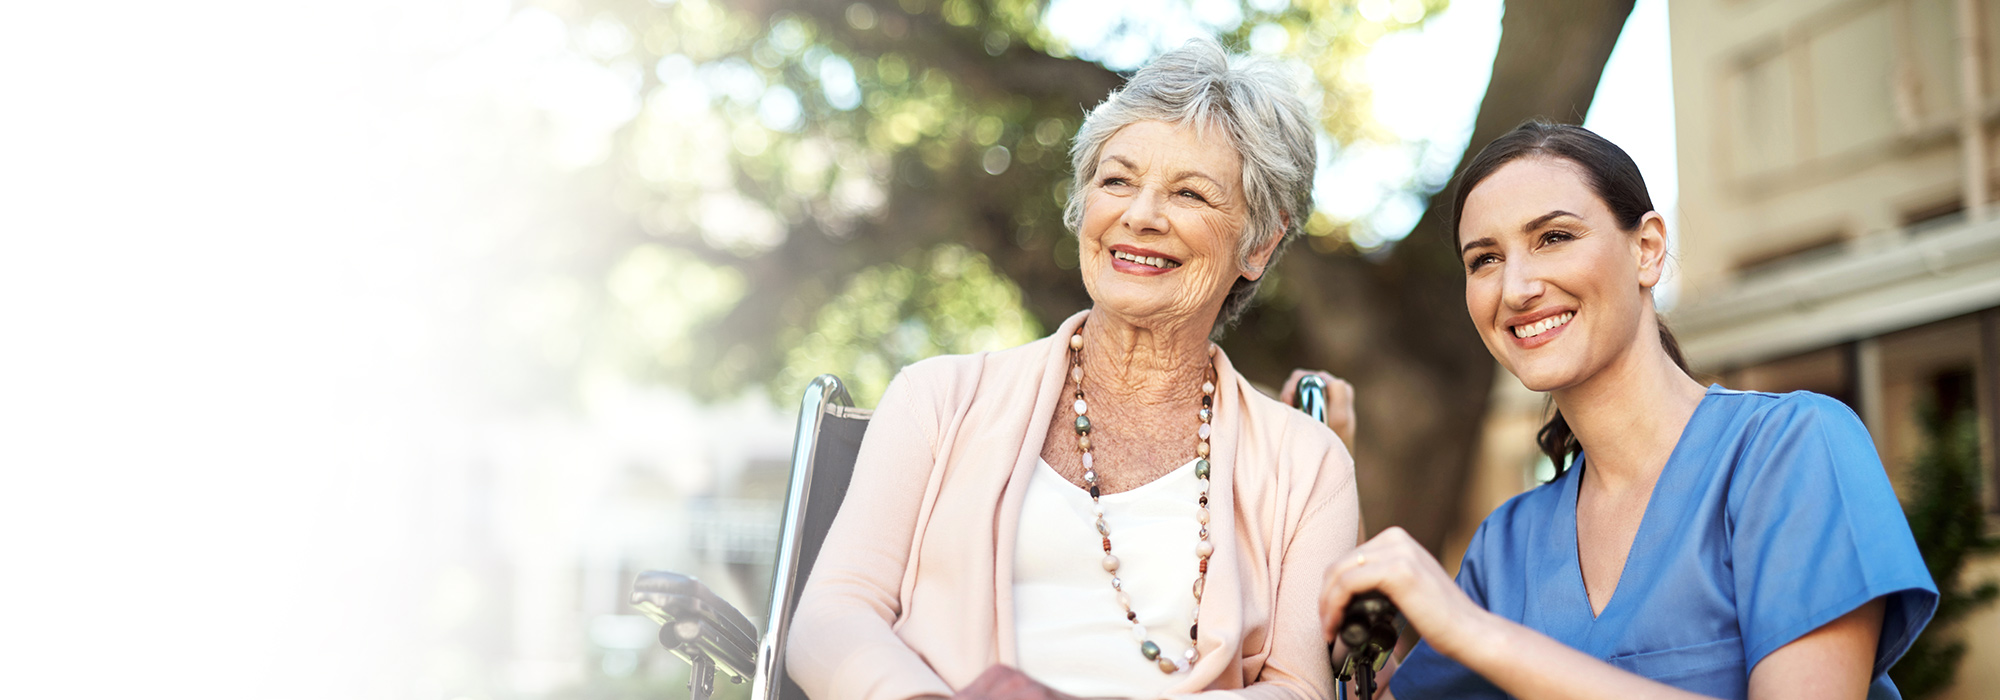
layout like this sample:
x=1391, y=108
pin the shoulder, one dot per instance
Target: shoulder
x=1763, y=413
x=1791, y=432
x=1294, y=451
x=947, y=380
x=1520, y=517
x=1272, y=422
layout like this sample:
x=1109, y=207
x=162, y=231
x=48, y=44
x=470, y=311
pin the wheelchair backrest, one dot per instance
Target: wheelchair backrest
x=823, y=455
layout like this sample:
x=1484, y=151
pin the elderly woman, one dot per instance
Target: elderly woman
x=1112, y=510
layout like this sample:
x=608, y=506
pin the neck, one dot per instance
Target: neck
x=1630, y=415
x=1152, y=366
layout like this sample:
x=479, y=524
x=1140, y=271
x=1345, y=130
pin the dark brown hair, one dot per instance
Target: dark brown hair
x=1611, y=174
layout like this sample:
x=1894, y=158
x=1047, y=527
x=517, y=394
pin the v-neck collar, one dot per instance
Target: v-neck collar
x=1569, y=585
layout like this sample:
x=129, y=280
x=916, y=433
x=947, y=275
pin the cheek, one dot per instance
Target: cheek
x=1481, y=298
x=1609, y=277
x=1099, y=212
x=1216, y=237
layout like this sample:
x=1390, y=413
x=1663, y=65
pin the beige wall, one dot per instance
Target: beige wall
x=1811, y=122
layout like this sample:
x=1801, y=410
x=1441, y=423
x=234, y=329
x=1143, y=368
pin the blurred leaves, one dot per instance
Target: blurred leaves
x=814, y=152
x=910, y=156
x=946, y=302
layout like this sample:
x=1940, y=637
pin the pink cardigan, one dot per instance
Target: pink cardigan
x=913, y=592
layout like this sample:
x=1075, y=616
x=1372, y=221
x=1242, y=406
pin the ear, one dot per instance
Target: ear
x=1260, y=259
x=1649, y=246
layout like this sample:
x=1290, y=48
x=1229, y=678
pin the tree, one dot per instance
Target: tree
x=1949, y=524
x=908, y=159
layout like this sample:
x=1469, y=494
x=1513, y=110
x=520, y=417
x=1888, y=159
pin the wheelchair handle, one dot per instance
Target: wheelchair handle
x=1310, y=397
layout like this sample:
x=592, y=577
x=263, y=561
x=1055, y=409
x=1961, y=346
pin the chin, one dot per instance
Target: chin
x=1543, y=377
x=1126, y=300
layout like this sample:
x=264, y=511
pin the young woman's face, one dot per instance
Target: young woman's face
x=1556, y=289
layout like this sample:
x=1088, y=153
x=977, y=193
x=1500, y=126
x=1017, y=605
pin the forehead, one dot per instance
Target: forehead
x=1151, y=144
x=1525, y=189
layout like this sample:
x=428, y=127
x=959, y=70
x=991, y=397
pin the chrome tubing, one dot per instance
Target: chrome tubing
x=770, y=649
x=1311, y=397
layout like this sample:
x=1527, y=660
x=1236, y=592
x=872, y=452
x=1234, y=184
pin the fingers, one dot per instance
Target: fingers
x=1002, y=682
x=1290, y=389
x=1383, y=563
x=992, y=684
x=1334, y=595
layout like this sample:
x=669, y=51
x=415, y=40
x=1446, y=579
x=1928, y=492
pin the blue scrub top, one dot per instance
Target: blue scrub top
x=1772, y=517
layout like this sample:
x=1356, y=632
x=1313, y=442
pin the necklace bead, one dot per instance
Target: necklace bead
x=1203, y=549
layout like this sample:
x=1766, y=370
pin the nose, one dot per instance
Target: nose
x=1521, y=284
x=1147, y=213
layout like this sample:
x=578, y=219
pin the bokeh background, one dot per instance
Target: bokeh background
x=370, y=349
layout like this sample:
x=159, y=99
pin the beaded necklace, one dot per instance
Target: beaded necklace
x=1202, y=548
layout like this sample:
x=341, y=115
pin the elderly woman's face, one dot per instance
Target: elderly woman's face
x=1161, y=222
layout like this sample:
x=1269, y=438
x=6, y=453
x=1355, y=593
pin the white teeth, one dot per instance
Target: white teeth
x=1544, y=325
x=1155, y=262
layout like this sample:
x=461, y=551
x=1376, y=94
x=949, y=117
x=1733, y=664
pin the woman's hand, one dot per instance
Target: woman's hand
x=1339, y=402
x=1001, y=682
x=1403, y=570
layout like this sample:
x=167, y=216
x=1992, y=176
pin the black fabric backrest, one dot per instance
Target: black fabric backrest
x=833, y=466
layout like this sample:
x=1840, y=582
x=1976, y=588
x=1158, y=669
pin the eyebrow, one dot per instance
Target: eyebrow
x=1546, y=218
x=1182, y=175
x=1538, y=222
x=1186, y=174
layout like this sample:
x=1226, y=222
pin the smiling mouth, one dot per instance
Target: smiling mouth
x=1162, y=263
x=1543, y=326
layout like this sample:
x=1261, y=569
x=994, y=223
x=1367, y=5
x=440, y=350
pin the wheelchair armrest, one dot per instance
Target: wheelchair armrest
x=694, y=619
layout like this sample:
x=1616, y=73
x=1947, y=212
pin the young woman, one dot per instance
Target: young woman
x=1703, y=542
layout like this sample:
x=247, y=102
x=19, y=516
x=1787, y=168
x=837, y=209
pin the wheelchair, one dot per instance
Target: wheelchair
x=710, y=634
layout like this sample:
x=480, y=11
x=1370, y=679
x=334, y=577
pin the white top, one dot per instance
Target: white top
x=1072, y=632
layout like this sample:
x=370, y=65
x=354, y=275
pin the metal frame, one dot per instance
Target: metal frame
x=824, y=390
x=1311, y=397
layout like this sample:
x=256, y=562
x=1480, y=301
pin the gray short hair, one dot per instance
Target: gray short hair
x=1254, y=104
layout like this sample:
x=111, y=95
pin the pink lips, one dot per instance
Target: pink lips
x=1543, y=338
x=1133, y=268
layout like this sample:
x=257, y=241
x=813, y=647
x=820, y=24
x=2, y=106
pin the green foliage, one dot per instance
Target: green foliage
x=1948, y=521
x=810, y=153
x=947, y=302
